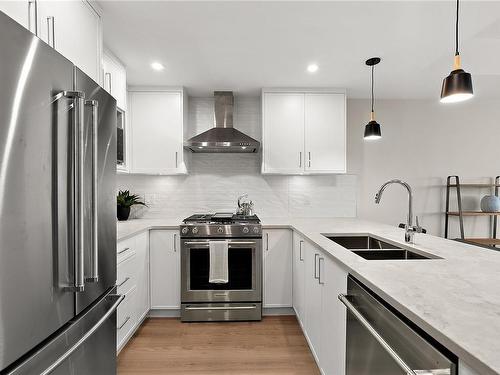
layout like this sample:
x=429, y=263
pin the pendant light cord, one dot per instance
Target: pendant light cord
x=456, y=32
x=373, y=67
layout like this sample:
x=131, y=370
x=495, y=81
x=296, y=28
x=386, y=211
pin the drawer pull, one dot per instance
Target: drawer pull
x=123, y=282
x=125, y=322
x=121, y=252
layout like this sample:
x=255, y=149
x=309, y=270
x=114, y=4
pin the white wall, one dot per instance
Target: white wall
x=216, y=180
x=423, y=141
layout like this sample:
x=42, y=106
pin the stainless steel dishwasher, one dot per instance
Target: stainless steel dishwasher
x=382, y=342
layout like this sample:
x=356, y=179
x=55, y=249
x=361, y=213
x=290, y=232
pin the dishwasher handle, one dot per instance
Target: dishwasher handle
x=388, y=348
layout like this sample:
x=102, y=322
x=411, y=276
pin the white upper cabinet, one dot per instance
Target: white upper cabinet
x=304, y=132
x=73, y=28
x=156, y=123
x=21, y=11
x=115, y=79
x=325, y=133
x=277, y=268
x=283, y=133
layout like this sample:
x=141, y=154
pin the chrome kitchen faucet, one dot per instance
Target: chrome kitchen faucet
x=410, y=229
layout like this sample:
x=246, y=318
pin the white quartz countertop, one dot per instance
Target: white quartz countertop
x=455, y=299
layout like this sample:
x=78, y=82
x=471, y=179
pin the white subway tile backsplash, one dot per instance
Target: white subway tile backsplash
x=216, y=180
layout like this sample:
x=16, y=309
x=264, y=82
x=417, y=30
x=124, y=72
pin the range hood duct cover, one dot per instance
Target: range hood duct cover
x=223, y=137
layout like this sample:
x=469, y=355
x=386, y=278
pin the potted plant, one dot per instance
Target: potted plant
x=124, y=201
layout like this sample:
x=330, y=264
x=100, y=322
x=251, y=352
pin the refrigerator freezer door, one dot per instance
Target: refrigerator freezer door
x=86, y=347
x=100, y=215
x=35, y=192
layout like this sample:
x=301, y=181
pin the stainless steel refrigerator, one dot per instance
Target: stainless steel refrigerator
x=57, y=213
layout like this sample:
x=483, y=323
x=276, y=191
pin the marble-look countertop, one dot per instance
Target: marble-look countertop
x=455, y=299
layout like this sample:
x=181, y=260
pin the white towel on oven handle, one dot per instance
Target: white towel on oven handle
x=219, y=272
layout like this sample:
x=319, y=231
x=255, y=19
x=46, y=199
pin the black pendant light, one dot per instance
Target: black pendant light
x=372, y=129
x=457, y=87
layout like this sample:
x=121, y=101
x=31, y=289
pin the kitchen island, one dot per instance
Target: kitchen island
x=454, y=299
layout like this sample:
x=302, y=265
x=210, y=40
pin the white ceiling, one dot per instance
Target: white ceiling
x=244, y=46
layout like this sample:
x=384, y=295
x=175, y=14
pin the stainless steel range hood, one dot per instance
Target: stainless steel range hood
x=223, y=137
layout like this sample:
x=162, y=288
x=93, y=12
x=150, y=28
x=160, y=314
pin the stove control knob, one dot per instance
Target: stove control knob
x=185, y=230
x=256, y=230
x=246, y=230
x=195, y=230
x=220, y=230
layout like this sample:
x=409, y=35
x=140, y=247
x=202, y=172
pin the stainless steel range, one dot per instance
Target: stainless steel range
x=241, y=297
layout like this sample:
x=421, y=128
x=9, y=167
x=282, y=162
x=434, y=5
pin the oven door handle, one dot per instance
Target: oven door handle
x=253, y=307
x=207, y=243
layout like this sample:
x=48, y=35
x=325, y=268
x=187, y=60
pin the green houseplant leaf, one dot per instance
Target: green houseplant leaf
x=125, y=199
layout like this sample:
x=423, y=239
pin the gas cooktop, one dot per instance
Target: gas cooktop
x=221, y=218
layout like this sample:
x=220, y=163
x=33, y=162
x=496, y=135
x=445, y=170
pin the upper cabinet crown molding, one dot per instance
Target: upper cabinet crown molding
x=304, y=131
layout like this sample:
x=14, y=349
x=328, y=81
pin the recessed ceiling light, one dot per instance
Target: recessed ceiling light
x=157, y=66
x=312, y=68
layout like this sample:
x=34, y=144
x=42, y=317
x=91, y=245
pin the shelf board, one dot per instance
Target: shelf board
x=475, y=185
x=473, y=213
x=484, y=241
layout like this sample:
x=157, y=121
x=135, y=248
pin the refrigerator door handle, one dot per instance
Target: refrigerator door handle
x=78, y=98
x=94, y=255
x=90, y=332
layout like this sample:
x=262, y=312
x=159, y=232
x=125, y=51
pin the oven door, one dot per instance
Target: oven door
x=245, y=272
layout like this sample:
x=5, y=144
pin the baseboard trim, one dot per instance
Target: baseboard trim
x=164, y=313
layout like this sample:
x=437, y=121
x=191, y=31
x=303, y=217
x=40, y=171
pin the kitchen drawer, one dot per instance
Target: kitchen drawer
x=126, y=273
x=125, y=248
x=126, y=318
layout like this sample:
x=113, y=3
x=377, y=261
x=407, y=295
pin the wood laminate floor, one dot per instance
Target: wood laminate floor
x=275, y=345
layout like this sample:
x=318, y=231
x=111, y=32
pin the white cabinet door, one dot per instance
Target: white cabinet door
x=313, y=299
x=333, y=281
x=298, y=277
x=277, y=244
x=115, y=80
x=325, y=133
x=156, y=128
x=142, y=298
x=74, y=29
x=165, y=268
x=19, y=11
x=283, y=132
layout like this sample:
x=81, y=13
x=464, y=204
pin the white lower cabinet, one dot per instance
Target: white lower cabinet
x=20, y=11
x=165, y=269
x=277, y=254
x=317, y=281
x=132, y=281
x=298, y=271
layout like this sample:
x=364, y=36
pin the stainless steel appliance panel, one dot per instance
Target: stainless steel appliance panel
x=253, y=294
x=35, y=192
x=379, y=342
x=99, y=215
x=84, y=347
x=215, y=312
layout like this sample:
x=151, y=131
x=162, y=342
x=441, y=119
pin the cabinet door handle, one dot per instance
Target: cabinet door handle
x=319, y=271
x=300, y=250
x=122, y=251
x=176, y=159
x=109, y=81
x=125, y=322
x=316, y=266
x=309, y=159
x=123, y=282
x=300, y=159
x=51, y=40
x=267, y=241
x=33, y=26
x=175, y=242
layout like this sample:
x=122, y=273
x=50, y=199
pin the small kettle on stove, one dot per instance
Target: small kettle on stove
x=245, y=207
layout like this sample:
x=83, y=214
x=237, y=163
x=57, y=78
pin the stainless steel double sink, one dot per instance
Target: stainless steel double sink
x=373, y=248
